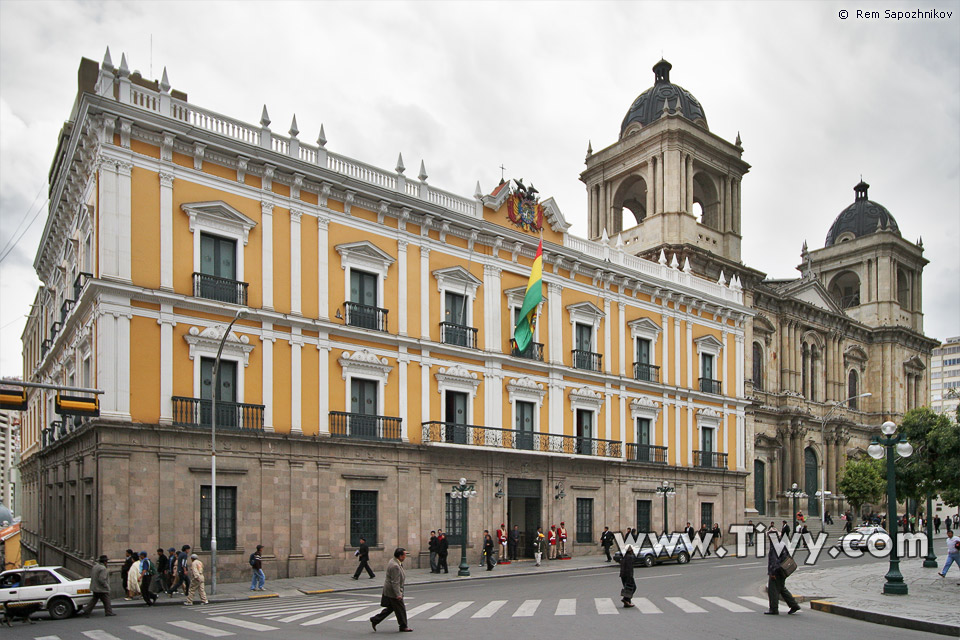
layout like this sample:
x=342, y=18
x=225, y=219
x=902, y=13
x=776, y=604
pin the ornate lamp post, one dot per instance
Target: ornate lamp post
x=666, y=491
x=463, y=491
x=930, y=561
x=561, y=494
x=796, y=494
x=213, y=456
x=895, y=584
x=823, y=464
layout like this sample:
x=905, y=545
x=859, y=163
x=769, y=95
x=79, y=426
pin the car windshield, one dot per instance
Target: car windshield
x=68, y=574
x=866, y=529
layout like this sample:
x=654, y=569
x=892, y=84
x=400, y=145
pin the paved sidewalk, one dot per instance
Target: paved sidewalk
x=932, y=604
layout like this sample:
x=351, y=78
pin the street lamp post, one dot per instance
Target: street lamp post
x=213, y=457
x=930, y=561
x=894, y=584
x=823, y=462
x=666, y=491
x=561, y=494
x=463, y=491
x=796, y=494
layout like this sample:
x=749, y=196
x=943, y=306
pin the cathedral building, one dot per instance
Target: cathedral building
x=831, y=354
x=366, y=319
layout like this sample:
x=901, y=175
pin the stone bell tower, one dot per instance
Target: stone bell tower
x=668, y=183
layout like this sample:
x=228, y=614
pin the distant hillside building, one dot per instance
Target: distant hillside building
x=945, y=377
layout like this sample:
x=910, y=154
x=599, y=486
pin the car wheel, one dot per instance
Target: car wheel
x=60, y=608
x=683, y=557
x=647, y=561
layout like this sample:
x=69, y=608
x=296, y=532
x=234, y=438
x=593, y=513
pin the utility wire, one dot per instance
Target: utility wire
x=9, y=250
x=25, y=214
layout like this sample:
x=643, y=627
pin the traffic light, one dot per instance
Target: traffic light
x=13, y=400
x=77, y=406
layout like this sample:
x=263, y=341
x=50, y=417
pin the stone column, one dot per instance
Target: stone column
x=787, y=450
x=296, y=375
x=784, y=355
x=622, y=337
x=798, y=459
x=830, y=451
x=424, y=292
x=323, y=386
x=651, y=192
x=402, y=286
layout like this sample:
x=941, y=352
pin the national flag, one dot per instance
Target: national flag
x=527, y=319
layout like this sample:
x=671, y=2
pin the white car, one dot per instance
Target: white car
x=57, y=589
x=857, y=539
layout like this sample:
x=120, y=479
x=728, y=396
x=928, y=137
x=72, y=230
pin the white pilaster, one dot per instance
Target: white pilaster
x=492, y=305
x=402, y=300
x=740, y=367
x=424, y=292
x=124, y=188
x=665, y=355
x=691, y=443
x=724, y=335
x=266, y=212
x=166, y=230
x=295, y=259
x=622, y=338
x=167, y=323
x=109, y=223
x=424, y=387
x=323, y=274
x=624, y=422
x=607, y=336
x=676, y=429
x=676, y=351
x=494, y=381
x=296, y=375
x=741, y=442
x=402, y=360
x=323, y=390
x=689, y=353
x=268, y=339
x=113, y=363
x=555, y=313
x=555, y=414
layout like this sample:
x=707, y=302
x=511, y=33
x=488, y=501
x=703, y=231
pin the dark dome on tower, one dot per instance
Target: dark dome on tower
x=648, y=106
x=861, y=218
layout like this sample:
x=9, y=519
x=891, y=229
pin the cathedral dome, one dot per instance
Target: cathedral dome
x=861, y=218
x=648, y=106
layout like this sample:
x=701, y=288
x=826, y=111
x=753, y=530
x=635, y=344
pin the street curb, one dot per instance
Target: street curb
x=886, y=619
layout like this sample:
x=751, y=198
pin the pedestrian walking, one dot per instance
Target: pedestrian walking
x=196, y=581
x=716, y=536
x=538, y=544
x=134, y=576
x=392, y=597
x=100, y=588
x=776, y=580
x=488, y=549
x=606, y=541
x=183, y=569
x=514, y=541
x=259, y=578
x=629, y=585
x=172, y=578
x=162, y=581
x=785, y=529
x=953, y=552
x=702, y=534
x=128, y=562
x=750, y=533
x=363, y=555
x=434, y=547
x=552, y=541
x=443, y=548
x=147, y=572
x=848, y=525
x=936, y=525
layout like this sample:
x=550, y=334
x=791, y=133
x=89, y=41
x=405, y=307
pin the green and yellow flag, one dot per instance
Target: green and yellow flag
x=527, y=320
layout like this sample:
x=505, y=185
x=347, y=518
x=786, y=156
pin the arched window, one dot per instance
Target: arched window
x=705, y=194
x=804, y=370
x=853, y=386
x=903, y=288
x=811, y=479
x=845, y=289
x=757, y=366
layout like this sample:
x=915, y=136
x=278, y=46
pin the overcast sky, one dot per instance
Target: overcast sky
x=468, y=86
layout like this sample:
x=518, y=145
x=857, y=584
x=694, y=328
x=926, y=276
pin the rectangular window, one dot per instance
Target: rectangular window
x=643, y=431
x=643, y=351
x=584, y=519
x=455, y=320
x=363, y=517
x=226, y=518
x=218, y=268
x=706, y=514
x=584, y=432
x=706, y=366
x=707, y=437
x=643, y=516
x=363, y=406
x=455, y=416
x=453, y=512
x=524, y=426
x=228, y=414
x=363, y=288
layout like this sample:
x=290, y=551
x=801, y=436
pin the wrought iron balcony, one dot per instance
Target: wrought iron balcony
x=587, y=360
x=65, y=309
x=364, y=427
x=710, y=459
x=196, y=412
x=45, y=346
x=219, y=289
x=477, y=436
x=708, y=385
x=646, y=372
x=646, y=453
x=54, y=330
x=79, y=282
x=365, y=316
x=458, y=334
x=534, y=351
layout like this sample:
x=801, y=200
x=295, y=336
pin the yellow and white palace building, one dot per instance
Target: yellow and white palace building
x=373, y=366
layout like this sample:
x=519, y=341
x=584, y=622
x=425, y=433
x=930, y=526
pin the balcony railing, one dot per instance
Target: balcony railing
x=534, y=351
x=476, y=436
x=364, y=427
x=365, y=316
x=708, y=385
x=646, y=372
x=79, y=282
x=710, y=459
x=646, y=453
x=458, y=334
x=54, y=330
x=45, y=346
x=65, y=309
x=587, y=360
x=219, y=289
x=196, y=412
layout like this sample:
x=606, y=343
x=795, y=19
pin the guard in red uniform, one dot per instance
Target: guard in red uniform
x=552, y=541
x=562, y=536
x=502, y=539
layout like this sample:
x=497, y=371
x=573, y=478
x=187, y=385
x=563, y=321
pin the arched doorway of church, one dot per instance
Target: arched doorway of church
x=759, y=487
x=811, y=480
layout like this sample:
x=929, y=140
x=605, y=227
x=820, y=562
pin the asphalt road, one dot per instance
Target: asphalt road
x=722, y=598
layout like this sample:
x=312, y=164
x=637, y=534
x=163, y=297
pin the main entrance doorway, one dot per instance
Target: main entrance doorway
x=524, y=499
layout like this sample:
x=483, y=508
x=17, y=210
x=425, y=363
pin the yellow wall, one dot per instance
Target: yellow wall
x=144, y=372
x=281, y=260
x=309, y=385
x=309, y=269
x=281, y=385
x=145, y=228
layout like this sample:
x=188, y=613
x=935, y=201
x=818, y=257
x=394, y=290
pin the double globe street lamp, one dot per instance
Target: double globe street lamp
x=796, y=494
x=463, y=491
x=666, y=491
x=878, y=448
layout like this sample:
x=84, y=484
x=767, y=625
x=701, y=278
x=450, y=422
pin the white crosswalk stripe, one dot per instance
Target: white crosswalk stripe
x=527, y=609
x=605, y=606
x=48, y=638
x=201, y=628
x=365, y=617
x=646, y=606
x=449, y=612
x=333, y=616
x=98, y=634
x=755, y=600
x=685, y=605
x=244, y=624
x=490, y=609
x=157, y=634
x=566, y=607
x=426, y=606
x=726, y=604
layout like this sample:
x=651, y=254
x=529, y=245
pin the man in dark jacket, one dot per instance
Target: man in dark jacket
x=626, y=579
x=777, y=578
x=443, y=548
x=100, y=587
x=391, y=599
x=513, y=542
x=434, y=550
x=488, y=549
x=363, y=555
x=258, y=578
x=163, y=578
x=606, y=541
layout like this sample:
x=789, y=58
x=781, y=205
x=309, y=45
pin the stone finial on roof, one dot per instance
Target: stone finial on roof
x=663, y=257
x=423, y=172
x=674, y=263
x=322, y=138
x=677, y=108
x=107, y=61
x=264, y=117
x=666, y=107
x=400, y=168
x=686, y=265
x=124, y=69
x=721, y=280
x=478, y=193
x=803, y=249
x=604, y=238
x=619, y=244
x=738, y=142
x=294, y=131
x=165, y=82
x=589, y=148
x=920, y=242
